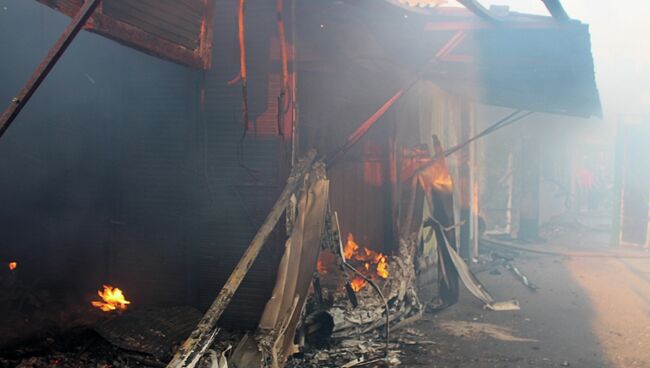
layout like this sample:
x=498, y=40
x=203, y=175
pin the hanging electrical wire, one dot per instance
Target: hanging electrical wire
x=243, y=76
x=285, y=98
x=242, y=60
x=508, y=120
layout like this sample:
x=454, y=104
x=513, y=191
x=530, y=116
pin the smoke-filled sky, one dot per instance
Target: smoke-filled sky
x=619, y=32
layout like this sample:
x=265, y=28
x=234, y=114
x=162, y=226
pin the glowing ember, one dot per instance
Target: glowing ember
x=112, y=299
x=320, y=266
x=374, y=263
x=13, y=266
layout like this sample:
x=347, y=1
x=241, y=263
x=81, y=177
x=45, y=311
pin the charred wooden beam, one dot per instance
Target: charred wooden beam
x=52, y=57
x=202, y=336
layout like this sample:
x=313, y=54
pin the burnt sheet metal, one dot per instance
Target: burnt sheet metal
x=472, y=283
x=282, y=313
x=180, y=31
x=438, y=186
x=526, y=62
x=554, y=7
x=537, y=69
x=153, y=331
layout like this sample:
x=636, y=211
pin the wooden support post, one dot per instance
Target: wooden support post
x=41, y=72
x=475, y=175
x=527, y=171
x=202, y=336
x=511, y=224
x=465, y=183
x=619, y=162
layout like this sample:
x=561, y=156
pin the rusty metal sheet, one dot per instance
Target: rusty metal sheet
x=153, y=331
x=177, y=30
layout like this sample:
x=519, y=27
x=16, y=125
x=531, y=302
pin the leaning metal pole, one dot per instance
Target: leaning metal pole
x=41, y=72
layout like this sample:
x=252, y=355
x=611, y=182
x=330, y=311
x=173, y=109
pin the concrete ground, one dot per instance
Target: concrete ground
x=588, y=312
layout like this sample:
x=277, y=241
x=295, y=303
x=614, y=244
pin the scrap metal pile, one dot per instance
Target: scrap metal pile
x=361, y=322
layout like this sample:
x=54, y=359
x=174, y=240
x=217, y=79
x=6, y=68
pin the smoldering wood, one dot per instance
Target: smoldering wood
x=399, y=289
x=201, y=336
x=368, y=280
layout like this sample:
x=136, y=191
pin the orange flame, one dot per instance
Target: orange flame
x=320, y=267
x=112, y=299
x=13, y=265
x=357, y=284
x=382, y=267
x=374, y=263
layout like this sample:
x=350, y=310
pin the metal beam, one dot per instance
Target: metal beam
x=478, y=25
x=41, y=72
x=556, y=9
x=475, y=7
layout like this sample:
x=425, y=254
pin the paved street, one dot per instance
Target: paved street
x=588, y=312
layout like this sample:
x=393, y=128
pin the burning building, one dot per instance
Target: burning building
x=151, y=164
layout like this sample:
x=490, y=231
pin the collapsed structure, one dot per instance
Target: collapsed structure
x=175, y=182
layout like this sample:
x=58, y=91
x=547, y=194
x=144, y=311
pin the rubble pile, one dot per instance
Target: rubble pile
x=399, y=291
x=359, y=334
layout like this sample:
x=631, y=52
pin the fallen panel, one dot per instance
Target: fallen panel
x=153, y=331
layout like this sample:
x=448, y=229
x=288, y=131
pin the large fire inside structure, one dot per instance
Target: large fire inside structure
x=331, y=183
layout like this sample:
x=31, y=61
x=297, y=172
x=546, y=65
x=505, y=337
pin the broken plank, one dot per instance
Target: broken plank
x=195, y=344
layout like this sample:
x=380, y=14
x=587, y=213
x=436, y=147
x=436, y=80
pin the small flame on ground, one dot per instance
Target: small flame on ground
x=112, y=299
x=13, y=265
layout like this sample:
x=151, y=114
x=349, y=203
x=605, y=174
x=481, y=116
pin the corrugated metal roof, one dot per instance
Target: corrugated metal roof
x=527, y=62
x=178, y=30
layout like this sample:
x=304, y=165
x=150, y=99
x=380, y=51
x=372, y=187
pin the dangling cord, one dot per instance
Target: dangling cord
x=242, y=61
x=284, y=100
x=244, y=87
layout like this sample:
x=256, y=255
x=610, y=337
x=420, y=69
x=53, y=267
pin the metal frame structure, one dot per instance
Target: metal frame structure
x=482, y=12
x=200, y=57
x=53, y=56
x=554, y=7
x=130, y=33
x=89, y=14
